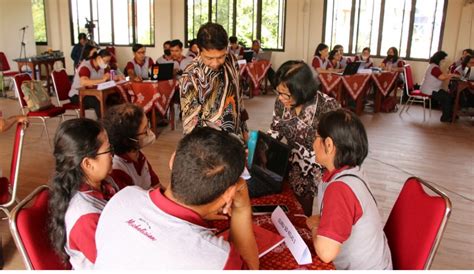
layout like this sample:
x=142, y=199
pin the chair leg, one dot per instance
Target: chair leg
x=429, y=100
x=424, y=118
x=47, y=133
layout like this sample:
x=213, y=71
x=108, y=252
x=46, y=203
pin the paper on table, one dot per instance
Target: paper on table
x=293, y=240
x=106, y=85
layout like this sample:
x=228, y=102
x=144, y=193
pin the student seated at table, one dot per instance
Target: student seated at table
x=456, y=64
x=365, y=57
x=392, y=62
x=335, y=61
x=343, y=62
x=91, y=72
x=139, y=67
x=167, y=229
x=166, y=57
x=348, y=229
x=83, y=157
x=464, y=69
x=320, y=60
x=235, y=49
x=127, y=126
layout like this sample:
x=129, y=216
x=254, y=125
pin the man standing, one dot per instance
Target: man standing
x=78, y=49
x=209, y=87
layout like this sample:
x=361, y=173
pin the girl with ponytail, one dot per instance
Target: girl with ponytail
x=83, y=158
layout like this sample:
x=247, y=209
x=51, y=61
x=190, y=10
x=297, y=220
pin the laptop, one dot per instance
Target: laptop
x=248, y=55
x=163, y=71
x=351, y=68
x=266, y=55
x=269, y=167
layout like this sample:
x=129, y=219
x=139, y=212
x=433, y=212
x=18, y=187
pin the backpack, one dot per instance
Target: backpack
x=35, y=95
x=389, y=104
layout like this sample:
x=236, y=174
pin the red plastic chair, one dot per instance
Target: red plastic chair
x=414, y=95
x=416, y=224
x=5, y=70
x=8, y=187
x=42, y=115
x=62, y=86
x=29, y=227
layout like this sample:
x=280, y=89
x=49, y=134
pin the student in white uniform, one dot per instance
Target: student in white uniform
x=365, y=57
x=348, y=229
x=138, y=68
x=343, y=62
x=127, y=126
x=78, y=193
x=167, y=229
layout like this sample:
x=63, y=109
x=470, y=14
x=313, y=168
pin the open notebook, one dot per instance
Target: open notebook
x=266, y=240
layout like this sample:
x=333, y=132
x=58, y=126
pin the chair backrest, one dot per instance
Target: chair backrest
x=8, y=198
x=416, y=224
x=29, y=227
x=408, y=78
x=19, y=79
x=61, y=84
x=4, y=66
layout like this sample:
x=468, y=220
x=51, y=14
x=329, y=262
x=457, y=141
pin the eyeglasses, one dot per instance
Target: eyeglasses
x=285, y=96
x=110, y=150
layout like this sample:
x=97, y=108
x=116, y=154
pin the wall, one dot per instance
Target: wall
x=15, y=14
x=304, y=26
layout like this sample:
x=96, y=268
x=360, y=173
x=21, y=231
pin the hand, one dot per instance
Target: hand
x=22, y=119
x=106, y=77
x=313, y=223
x=120, y=77
x=241, y=198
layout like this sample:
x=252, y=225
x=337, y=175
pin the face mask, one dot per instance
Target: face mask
x=145, y=139
x=102, y=65
x=167, y=52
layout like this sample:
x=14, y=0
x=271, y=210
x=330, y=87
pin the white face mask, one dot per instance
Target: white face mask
x=102, y=64
x=145, y=139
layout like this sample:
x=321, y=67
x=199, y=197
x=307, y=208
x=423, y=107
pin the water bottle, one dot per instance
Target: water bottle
x=112, y=75
x=251, y=144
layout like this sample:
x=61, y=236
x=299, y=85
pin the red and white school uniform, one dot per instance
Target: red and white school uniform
x=431, y=80
x=126, y=172
x=81, y=218
x=460, y=70
x=140, y=69
x=239, y=51
x=367, y=63
x=318, y=62
x=86, y=69
x=337, y=66
x=349, y=216
x=141, y=229
x=390, y=64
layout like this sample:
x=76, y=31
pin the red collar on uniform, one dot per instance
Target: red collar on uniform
x=136, y=61
x=87, y=189
x=172, y=208
x=328, y=175
x=93, y=66
x=139, y=164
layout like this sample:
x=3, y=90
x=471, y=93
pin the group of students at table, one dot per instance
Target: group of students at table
x=109, y=210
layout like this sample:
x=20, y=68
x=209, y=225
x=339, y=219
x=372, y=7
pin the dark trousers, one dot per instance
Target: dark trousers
x=445, y=101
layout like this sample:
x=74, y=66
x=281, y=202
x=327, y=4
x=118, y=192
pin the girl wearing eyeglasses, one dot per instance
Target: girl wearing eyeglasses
x=127, y=126
x=296, y=116
x=83, y=158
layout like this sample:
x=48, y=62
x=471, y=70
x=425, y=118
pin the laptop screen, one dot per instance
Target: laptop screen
x=271, y=157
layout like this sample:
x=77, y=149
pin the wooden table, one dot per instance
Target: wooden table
x=460, y=87
x=35, y=63
x=101, y=96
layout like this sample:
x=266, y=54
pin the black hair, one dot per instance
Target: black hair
x=366, y=48
x=395, y=56
x=337, y=47
x=82, y=35
x=332, y=54
x=469, y=51
x=348, y=135
x=233, y=39
x=75, y=140
x=122, y=122
x=175, y=43
x=437, y=57
x=166, y=43
x=136, y=47
x=299, y=79
x=212, y=36
x=87, y=50
x=192, y=42
x=101, y=53
x=319, y=48
x=466, y=60
x=207, y=163
x=256, y=41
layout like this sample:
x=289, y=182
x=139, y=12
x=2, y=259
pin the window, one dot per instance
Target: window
x=116, y=22
x=39, y=22
x=246, y=19
x=414, y=27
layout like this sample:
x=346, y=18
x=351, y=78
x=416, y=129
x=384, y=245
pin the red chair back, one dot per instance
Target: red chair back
x=4, y=66
x=8, y=187
x=113, y=59
x=61, y=84
x=19, y=79
x=416, y=224
x=408, y=78
x=29, y=227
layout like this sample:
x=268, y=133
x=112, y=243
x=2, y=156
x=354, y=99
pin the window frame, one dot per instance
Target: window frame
x=234, y=25
x=133, y=23
x=45, y=43
x=380, y=30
